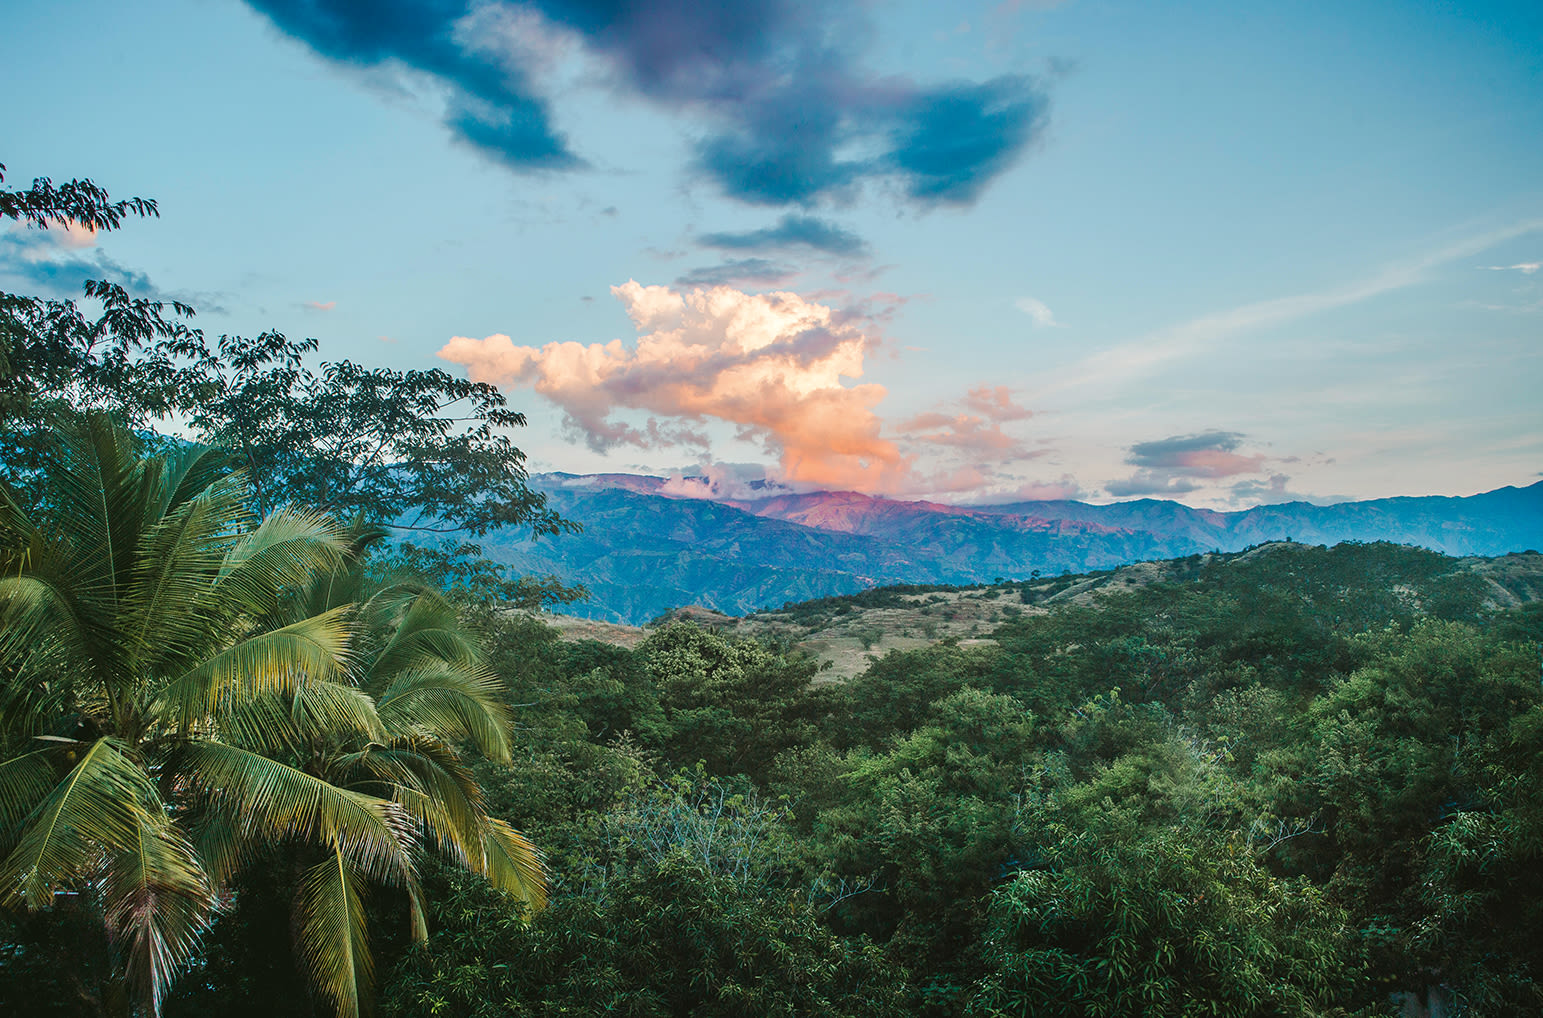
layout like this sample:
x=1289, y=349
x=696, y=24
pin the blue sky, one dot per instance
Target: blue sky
x=1222, y=252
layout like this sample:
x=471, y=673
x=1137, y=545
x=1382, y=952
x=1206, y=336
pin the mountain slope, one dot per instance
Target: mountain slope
x=644, y=553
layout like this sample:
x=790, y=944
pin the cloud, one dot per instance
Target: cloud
x=1269, y=492
x=996, y=402
x=791, y=231
x=966, y=441
x=1038, y=312
x=56, y=262
x=963, y=431
x=783, y=112
x=722, y=481
x=1525, y=268
x=316, y=305
x=773, y=365
x=754, y=271
x=1064, y=489
x=1129, y=361
x=492, y=105
x=1208, y=454
x=1177, y=465
x=1150, y=484
x=977, y=430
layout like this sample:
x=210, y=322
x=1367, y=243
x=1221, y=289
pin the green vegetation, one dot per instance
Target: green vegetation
x=256, y=760
x=1296, y=781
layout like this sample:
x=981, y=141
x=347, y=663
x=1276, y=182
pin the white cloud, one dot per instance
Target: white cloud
x=1038, y=312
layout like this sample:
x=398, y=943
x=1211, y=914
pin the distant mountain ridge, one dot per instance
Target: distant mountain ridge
x=645, y=551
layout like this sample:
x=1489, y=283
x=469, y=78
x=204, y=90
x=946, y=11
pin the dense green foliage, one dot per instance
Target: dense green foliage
x=190, y=696
x=1298, y=781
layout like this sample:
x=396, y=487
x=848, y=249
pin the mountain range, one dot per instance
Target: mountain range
x=645, y=551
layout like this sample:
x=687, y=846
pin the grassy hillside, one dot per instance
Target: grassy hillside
x=844, y=632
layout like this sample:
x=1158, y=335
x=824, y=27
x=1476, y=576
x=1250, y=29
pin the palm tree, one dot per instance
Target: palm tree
x=167, y=712
x=423, y=689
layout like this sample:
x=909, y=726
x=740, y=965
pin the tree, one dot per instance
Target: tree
x=137, y=357
x=183, y=689
x=417, y=450
x=1122, y=919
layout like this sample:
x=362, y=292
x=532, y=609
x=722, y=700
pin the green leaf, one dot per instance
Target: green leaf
x=332, y=937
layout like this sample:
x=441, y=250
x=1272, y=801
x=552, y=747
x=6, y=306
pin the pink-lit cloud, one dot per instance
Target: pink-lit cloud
x=961, y=431
x=316, y=305
x=774, y=365
x=973, y=427
x=1178, y=465
x=996, y=402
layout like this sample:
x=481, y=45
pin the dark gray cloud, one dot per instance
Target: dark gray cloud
x=55, y=264
x=48, y=269
x=791, y=231
x=777, y=83
x=493, y=106
x=738, y=271
x=1176, y=465
x=1182, y=450
x=950, y=142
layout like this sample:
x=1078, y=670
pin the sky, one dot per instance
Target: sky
x=1224, y=252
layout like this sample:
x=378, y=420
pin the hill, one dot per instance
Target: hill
x=645, y=552
x=845, y=632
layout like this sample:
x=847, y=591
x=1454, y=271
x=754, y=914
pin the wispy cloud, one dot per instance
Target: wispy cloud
x=997, y=403
x=738, y=271
x=964, y=445
x=791, y=231
x=1038, y=312
x=316, y=305
x=1200, y=335
x=56, y=262
x=1525, y=268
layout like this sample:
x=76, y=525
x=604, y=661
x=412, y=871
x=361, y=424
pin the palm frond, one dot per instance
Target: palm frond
x=332, y=935
x=103, y=502
x=428, y=631
x=97, y=809
x=280, y=802
x=332, y=709
x=24, y=780
x=193, y=469
x=346, y=583
x=17, y=530
x=34, y=610
x=267, y=663
x=169, y=612
x=452, y=702
x=264, y=724
x=512, y=864
x=417, y=912
x=158, y=903
x=434, y=788
x=218, y=842
x=286, y=552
